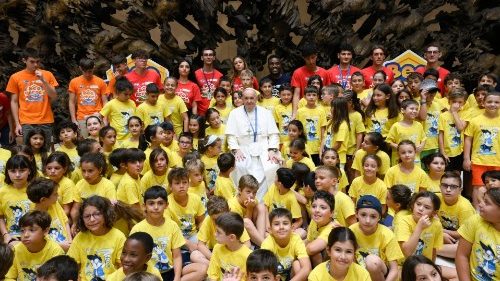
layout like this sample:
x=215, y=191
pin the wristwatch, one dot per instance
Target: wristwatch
x=275, y=150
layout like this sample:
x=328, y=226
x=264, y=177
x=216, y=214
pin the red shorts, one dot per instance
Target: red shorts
x=478, y=170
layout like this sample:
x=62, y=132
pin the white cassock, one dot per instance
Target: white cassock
x=253, y=135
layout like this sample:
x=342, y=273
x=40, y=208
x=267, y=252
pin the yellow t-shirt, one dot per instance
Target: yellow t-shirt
x=343, y=182
x=431, y=238
x=72, y=154
x=220, y=133
x=26, y=263
x=235, y=206
x=314, y=232
x=128, y=143
x=174, y=160
x=152, y=114
x=176, y=107
x=39, y=162
x=76, y=175
x=166, y=238
x=344, y=208
x=14, y=204
x=4, y=157
x=415, y=180
x=282, y=115
x=211, y=170
x=485, y=240
x=119, y=275
x=431, y=125
x=471, y=102
x=129, y=190
x=313, y=120
x=173, y=146
x=485, y=145
x=359, y=188
x=224, y=260
x=269, y=103
x=57, y=231
x=357, y=127
x=225, y=187
x=382, y=243
x=104, y=188
x=185, y=216
x=201, y=191
x=150, y=179
x=434, y=185
x=223, y=112
x=399, y=132
x=355, y=272
x=98, y=256
x=66, y=191
x=118, y=113
x=358, y=158
x=453, y=139
x=305, y=160
x=115, y=179
x=366, y=94
x=294, y=250
x=206, y=234
x=273, y=199
x=379, y=122
x=454, y=216
x=398, y=216
x=342, y=136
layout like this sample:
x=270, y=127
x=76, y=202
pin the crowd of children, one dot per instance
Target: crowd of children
x=374, y=184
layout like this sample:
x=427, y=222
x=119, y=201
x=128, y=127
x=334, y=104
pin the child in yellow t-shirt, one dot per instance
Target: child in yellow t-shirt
x=224, y=185
x=157, y=175
x=398, y=203
x=298, y=154
x=380, y=113
x=14, y=202
x=167, y=237
x=229, y=252
x=67, y=133
x=314, y=121
x=322, y=207
x=185, y=208
x=261, y=264
x=36, y=138
x=116, y=159
x=35, y=249
x=210, y=148
x=197, y=128
x=220, y=97
x=286, y=245
x=215, y=127
x=43, y=193
x=330, y=158
x=378, y=251
x=481, y=145
x=280, y=195
x=57, y=168
x=341, y=247
x=326, y=179
x=295, y=131
x=151, y=111
x=283, y=112
x=407, y=172
x=453, y=212
x=175, y=104
x=155, y=136
x=135, y=127
x=266, y=98
x=373, y=143
x=98, y=245
x=407, y=129
x=206, y=235
x=435, y=164
x=338, y=131
x=369, y=183
x=129, y=190
x=118, y=110
x=197, y=186
x=429, y=112
x=135, y=257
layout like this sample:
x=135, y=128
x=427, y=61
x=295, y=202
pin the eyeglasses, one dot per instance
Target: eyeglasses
x=450, y=186
x=95, y=215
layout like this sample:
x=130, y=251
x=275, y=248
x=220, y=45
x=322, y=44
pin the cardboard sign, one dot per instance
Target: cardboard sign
x=404, y=64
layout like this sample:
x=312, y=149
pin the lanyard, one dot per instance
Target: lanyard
x=343, y=82
x=254, y=130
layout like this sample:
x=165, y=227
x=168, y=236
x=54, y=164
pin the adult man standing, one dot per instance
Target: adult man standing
x=32, y=90
x=207, y=78
x=87, y=95
x=253, y=138
x=342, y=72
x=140, y=77
x=432, y=55
x=276, y=74
x=378, y=58
x=301, y=75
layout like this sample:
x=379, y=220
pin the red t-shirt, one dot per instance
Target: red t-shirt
x=4, y=110
x=344, y=77
x=237, y=86
x=141, y=81
x=443, y=72
x=368, y=74
x=207, y=81
x=302, y=74
x=188, y=92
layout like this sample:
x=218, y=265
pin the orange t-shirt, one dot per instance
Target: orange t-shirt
x=34, y=103
x=88, y=95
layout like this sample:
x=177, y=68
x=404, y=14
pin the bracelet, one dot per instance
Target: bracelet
x=12, y=240
x=275, y=150
x=5, y=234
x=422, y=102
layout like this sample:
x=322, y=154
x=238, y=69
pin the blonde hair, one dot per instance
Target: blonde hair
x=195, y=165
x=142, y=276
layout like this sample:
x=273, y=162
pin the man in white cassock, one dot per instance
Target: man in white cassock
x=253, y=138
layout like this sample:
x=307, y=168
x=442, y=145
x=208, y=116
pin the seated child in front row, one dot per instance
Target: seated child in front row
x=135, y=257
x=246, y=205
x=224, y=185
x=35, y=249
x=398, y=202
x=206, y=235
x=287, y=246
x=491, y=179
x=58, y=268
x=261, y=265
x=229, y=252
x=129, y=190
x=167, y=237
